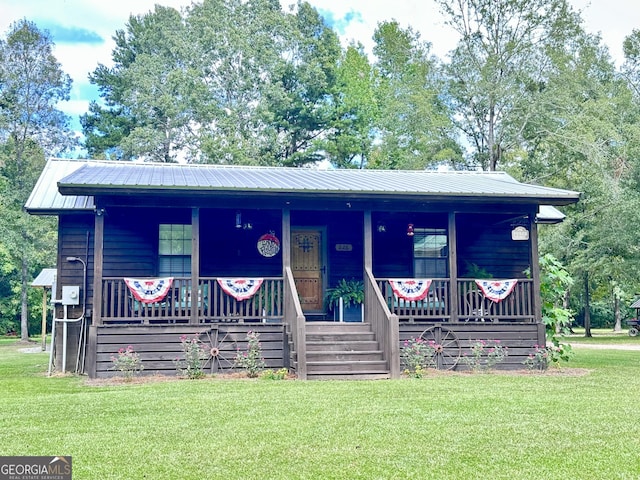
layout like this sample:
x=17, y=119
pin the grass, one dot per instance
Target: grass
x=444, y=426
x=604, y=336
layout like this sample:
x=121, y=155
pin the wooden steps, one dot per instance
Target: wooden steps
x=345, y=351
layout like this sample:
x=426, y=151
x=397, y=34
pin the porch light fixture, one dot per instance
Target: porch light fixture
x=381, y=227
x=410, y=230
x=238, y=220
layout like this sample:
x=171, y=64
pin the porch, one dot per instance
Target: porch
x=308, y=347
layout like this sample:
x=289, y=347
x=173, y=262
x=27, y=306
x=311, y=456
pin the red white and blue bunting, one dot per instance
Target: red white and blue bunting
x=240, y=288
x=411, y=289
x=149, y=290
x=496, y=290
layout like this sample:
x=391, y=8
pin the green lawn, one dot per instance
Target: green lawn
x=444, y=426
x=604, y=336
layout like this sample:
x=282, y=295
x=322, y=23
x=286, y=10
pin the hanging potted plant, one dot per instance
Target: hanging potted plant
x=345, y=299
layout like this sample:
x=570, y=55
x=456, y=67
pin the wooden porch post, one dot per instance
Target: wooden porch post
x=195, y=265
x=368, y=241
x=535, y=268
x=453, y=267
x=98, y=252
x=286, y=238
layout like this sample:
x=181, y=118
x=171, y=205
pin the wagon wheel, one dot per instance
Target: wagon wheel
x=218, y=356
x=447, y=346
x=633, y=331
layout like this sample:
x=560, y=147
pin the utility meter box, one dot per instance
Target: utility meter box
x=70, y=295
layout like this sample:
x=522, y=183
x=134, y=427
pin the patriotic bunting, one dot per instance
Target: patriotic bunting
x=240, y=288
x=149, y=290
x=496, y=290
x=411, y=289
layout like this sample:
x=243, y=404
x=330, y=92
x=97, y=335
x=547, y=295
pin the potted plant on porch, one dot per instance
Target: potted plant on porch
x=345, y=299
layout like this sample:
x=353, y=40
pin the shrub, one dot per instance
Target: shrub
x=417, y=355
x=127, y=362
x=485, y=354
x=191, y=365
x=280, y=374
x=251, y=361
x=542, y=357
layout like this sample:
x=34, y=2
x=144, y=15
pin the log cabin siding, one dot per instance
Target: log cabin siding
x=520, y=339
x=485, y=240
x=75, y=239
x=159, y=347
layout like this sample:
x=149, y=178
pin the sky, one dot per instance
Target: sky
x=82, y=30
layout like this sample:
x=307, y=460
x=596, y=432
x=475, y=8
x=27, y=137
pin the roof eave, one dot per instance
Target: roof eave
x=97, y=190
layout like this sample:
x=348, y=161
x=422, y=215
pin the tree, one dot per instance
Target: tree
x=357, y=110
x=413, y=127
x=494, y=71
x=31, y=85
x=299, y=102
x=147, y=113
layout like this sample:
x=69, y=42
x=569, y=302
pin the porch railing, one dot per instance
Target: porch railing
x=183, y=305
x=517, y=307
x=472, y=304
x=435, y=307
x=295, y=324
x=383, y=322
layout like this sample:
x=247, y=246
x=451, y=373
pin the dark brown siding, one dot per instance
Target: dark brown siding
x=520, y=339
x=159, y=347
x=485, y=240
x=75, y=240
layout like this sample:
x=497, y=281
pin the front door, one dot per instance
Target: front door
x=306, y=265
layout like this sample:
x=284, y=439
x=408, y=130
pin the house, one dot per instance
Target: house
x=148, y=253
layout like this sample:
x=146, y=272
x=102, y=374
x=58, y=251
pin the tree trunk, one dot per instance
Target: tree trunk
x=616, y=312
x=587, y=309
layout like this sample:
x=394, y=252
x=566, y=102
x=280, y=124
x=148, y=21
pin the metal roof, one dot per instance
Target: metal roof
x=45, y=197
x=69, y=185
x=143, y=178
x=635, y=304
x=45, y=278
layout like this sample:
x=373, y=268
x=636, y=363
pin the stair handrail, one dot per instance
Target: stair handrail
x=295, y=321
x=383, y=323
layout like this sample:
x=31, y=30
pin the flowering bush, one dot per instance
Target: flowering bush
x=191, y=365
x=485, y=354
x=279, y=374
x=417, y=355
x=127, y=362
x=542, y=357
x=251, y=360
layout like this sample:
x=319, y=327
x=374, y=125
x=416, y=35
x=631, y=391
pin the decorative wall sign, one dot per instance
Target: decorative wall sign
x=240, y=288
x=344, y=247
x=268, y=245
x=149, y=290
x=411, y=289
x=496, y=290
x=520, y=233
